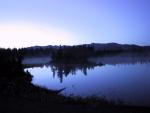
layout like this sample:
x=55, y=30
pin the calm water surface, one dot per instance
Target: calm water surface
x=125, y=77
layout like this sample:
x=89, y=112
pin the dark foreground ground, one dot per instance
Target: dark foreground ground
x=20, y=105
x=17, y=105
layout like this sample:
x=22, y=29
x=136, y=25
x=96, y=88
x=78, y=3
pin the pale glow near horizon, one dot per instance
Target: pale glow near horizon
x=25, y=35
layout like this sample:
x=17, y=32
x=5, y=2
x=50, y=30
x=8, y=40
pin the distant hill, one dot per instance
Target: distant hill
x=99, y=46
x=116, y=46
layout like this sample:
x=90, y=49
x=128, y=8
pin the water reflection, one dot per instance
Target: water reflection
x=124, y=76
x=65, y=69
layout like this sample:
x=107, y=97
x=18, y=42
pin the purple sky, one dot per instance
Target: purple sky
x=43, y=22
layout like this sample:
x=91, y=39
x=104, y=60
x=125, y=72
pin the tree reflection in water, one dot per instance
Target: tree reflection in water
x=61, y=70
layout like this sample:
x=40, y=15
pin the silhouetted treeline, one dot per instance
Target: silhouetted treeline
x=10, y=62
x=72, y=54
x=118, y=50
x=36, y=51
x=79, y=53
x=13, y=79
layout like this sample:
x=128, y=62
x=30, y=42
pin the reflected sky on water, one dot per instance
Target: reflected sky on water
x=120, y=77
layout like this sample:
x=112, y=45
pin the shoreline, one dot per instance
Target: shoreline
x=26, y=97
x=19, y=95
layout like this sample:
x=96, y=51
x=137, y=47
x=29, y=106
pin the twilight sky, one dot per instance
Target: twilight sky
x=43, y=22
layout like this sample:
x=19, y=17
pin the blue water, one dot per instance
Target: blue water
x=128, y=81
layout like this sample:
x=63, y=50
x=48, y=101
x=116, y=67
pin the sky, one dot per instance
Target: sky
x=26, y=23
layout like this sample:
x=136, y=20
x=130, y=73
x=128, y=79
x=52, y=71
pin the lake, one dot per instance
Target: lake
x=123, y=77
